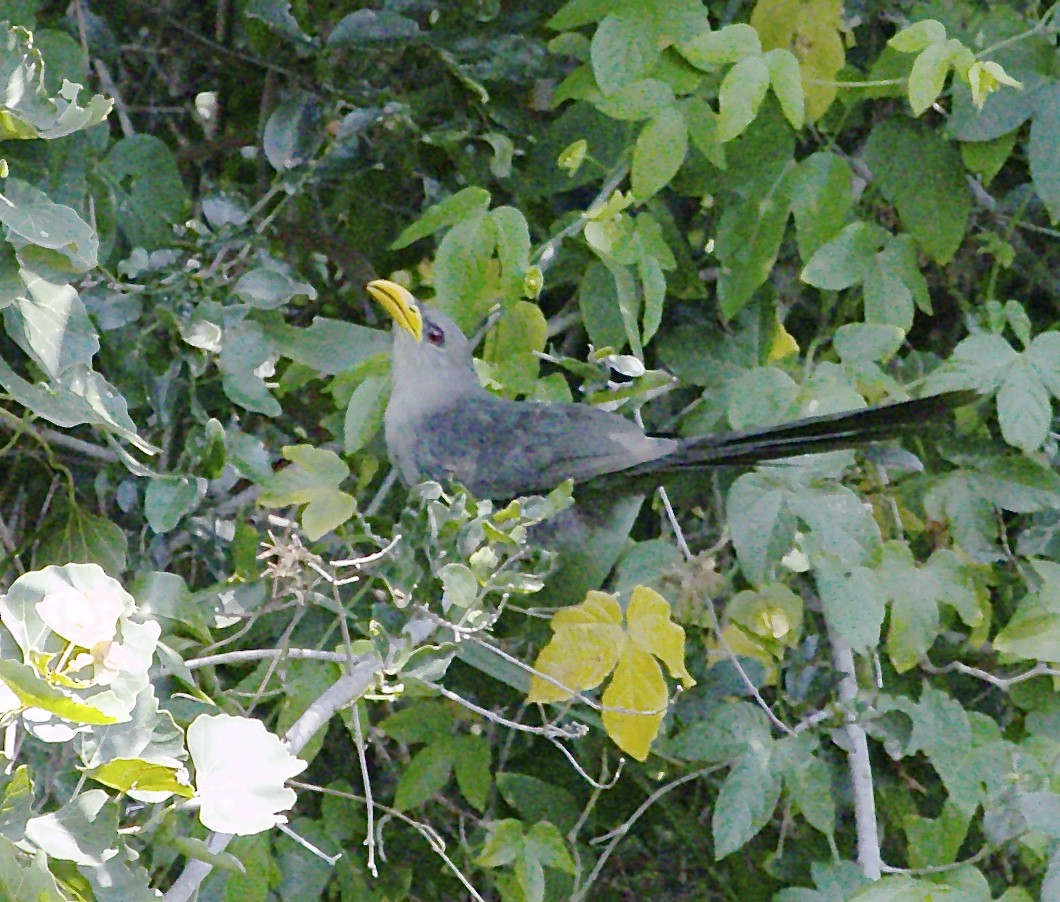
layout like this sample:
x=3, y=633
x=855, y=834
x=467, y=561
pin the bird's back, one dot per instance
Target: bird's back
x=499, y=449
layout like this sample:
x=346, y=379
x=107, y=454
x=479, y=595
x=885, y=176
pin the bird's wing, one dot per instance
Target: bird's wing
x=498, y=448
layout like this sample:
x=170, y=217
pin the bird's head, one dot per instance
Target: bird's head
x=430, y=352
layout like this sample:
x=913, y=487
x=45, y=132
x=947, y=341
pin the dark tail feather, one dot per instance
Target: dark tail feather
x=813, y=435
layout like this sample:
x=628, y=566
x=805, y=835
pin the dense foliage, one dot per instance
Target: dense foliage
x=814, y=681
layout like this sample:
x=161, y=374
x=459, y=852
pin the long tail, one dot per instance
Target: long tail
x=813, y=435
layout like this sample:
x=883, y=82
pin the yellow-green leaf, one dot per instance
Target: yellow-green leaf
x=637, y=685
x=651, y=628
x=587, y=640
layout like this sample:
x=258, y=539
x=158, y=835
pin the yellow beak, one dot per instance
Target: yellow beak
x=400, y=304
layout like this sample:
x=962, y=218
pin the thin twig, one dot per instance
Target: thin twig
x=716, y=626
x=869, y=856
x=615, y=836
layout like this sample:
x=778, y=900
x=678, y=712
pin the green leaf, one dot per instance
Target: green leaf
x=748, y=241
x=312, y=480
x=33, y=692
x=741, y=94
x=653, y=284
x=546, y=844
x=423, y=721
x=371, y=26
x=762, y=396
x=1043, y=148
x=74, y=535
x=746, y=801
x=505, y=842
x=277, y=17
x=598, y=305
x=513, y=248
x=822, y=197
x=934, y=842
x=710, y=50
x=245, y=349
x=82, y=831
x=841, y=527
x=52, y=325
x=1033, y=631
x=914, y=607
x=786, y=80
x=34, y=219
x=169, y=499
x=853, y=602
x=536, y=799
x=462, y=269
x=807, y=780
x=894, y=284
x=762, y=525
x=640, y=100
x=628, y=302
x=148, y=191
x=293, y=133
x=1042, y=811
x=471, y=764
x=864, y=342
x=922, y=175
x=985, y=158
x=459, y=586
x=1018, y=484
x=943, y=731
x=513, y=346
x=125, y=774
x=1024, y=411
x=928, y=76
x=624, y=48
x=329, y=346
x=1044, y=357
x=425, y=776
x=659, y=152
x=980, y=361
x=918, y=36
x=702, y=124
x=364, y=413
x=267, y=289
x=726, y=730
x=846, y=259
x=464, y=205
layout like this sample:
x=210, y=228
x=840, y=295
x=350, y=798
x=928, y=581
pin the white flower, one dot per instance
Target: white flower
x=240, y=771
x=84, y=620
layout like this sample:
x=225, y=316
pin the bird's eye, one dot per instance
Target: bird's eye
x=435, y=335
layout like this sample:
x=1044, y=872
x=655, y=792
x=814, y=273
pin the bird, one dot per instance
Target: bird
x=441, y=424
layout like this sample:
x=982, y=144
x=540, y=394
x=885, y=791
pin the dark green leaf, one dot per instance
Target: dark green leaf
x=169, y=499
x=293, y=134
x=822, y=198
x=922, y=175
x=148, y=190
x=1043, y=149
x=846, y=259
x=369, y=26
x=471, y=764
x=745, y=802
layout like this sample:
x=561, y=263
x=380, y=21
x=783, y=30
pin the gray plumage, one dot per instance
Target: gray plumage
x=442, y=424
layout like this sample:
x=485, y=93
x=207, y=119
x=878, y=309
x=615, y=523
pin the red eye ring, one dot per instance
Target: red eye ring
x=435, y=335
